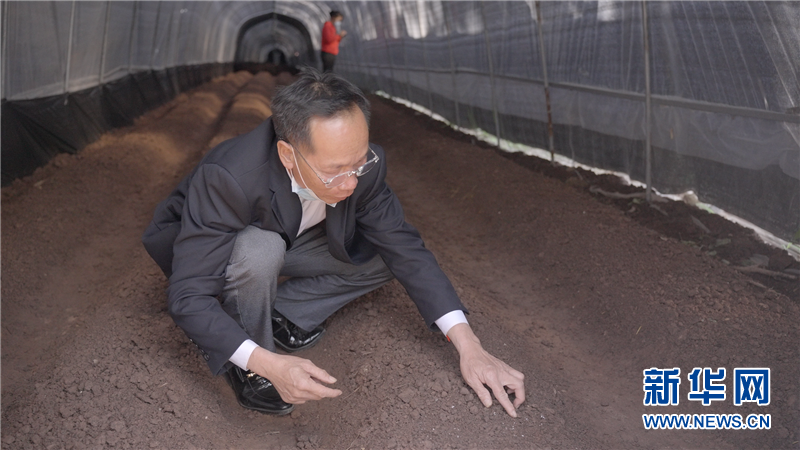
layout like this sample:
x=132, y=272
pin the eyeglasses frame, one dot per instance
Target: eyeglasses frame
x=358, y=172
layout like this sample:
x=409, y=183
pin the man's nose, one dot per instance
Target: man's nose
x=350, y=184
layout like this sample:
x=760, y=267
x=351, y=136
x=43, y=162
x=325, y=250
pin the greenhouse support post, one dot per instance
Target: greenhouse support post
x=445, y=12
x=427, y=72
x=405, y=61
x=388, y=52
x=103, y=45
x=543, y=58
x=3, y=71
x=133, y=31
x=166, y=51
x=491, y=74
x=176, y=40
x=174, y=47
x=391, y=63
x=274, y=27
x=155, y=35
x=69, y=52
x=647, y=103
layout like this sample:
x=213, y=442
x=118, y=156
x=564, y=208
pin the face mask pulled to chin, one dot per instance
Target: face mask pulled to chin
x=305, y=193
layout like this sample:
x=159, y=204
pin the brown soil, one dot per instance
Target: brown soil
x=730, y=243
x=578, y=294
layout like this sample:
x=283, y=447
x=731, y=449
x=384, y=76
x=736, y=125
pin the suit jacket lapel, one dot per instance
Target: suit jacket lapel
x=335, y=225
x=285, y=204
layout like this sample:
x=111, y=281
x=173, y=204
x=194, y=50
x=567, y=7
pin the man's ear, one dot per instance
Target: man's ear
x=286, y=154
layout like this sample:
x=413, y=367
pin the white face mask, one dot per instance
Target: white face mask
x=305, y=193
x=337, y=24
x=302, y=192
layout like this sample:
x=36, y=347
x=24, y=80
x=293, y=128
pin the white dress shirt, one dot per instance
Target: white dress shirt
x=314, y=213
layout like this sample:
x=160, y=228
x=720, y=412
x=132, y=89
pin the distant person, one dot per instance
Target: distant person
x=330, y=40
x=303, y=196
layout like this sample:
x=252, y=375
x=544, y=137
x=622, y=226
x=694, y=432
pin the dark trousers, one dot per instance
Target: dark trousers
x=327, y=61
x=319, y=286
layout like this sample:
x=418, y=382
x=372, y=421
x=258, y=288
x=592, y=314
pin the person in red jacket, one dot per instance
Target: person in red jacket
x=330, y=40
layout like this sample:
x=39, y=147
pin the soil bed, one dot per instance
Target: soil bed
x=575, y=290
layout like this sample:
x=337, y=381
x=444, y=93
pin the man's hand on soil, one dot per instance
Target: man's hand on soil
x=479, y=368
x=297, y=380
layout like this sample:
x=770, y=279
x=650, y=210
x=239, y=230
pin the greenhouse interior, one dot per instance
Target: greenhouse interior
x=694, y=102
x=715, y=111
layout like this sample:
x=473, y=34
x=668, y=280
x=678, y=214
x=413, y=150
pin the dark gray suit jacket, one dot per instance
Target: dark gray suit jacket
x=242, y=182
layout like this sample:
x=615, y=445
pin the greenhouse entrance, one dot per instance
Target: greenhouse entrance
x=276, y=39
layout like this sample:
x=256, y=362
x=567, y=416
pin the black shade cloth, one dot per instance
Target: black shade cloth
x=34, y=131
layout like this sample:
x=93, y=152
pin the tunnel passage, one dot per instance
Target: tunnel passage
x=274, y=37
x=276, y=57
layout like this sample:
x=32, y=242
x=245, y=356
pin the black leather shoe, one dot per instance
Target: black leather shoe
x=290, y=337
x=256, y=392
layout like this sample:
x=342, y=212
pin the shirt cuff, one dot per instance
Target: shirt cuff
x=242, y=354
x=451, y=319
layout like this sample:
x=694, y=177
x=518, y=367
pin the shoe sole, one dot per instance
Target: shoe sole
x=266, y=411
x=305, y=347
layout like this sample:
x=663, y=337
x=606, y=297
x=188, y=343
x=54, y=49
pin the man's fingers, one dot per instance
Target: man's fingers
x=479, y=367
x=308, y=390
x=320, y=391
x=519, y=394
x=515, y=385
x=515, y=373
x=318, y=373
x=502, y=397
x=300, y=380
x=313, y=386
x=519, y=397
x=483, y=394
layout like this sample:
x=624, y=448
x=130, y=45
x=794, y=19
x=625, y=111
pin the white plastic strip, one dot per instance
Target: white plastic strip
x=688, y=197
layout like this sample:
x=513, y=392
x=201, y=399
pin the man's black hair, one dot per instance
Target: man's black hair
x=335, y=14
x=314, y=94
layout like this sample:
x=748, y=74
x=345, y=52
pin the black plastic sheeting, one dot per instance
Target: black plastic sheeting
x=34, y=131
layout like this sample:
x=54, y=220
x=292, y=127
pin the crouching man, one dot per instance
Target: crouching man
x=303, y=196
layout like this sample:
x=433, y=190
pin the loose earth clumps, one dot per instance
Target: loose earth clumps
x=578, y=294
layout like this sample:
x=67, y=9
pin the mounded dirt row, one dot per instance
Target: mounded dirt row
x=564, y=288
x=71, y=247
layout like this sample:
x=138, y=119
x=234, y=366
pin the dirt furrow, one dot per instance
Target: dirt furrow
x=563, y=287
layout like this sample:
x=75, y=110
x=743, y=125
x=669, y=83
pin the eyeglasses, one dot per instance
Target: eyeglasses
x=342, y=177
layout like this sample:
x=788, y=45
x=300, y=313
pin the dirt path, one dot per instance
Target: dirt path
x=569, y=290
